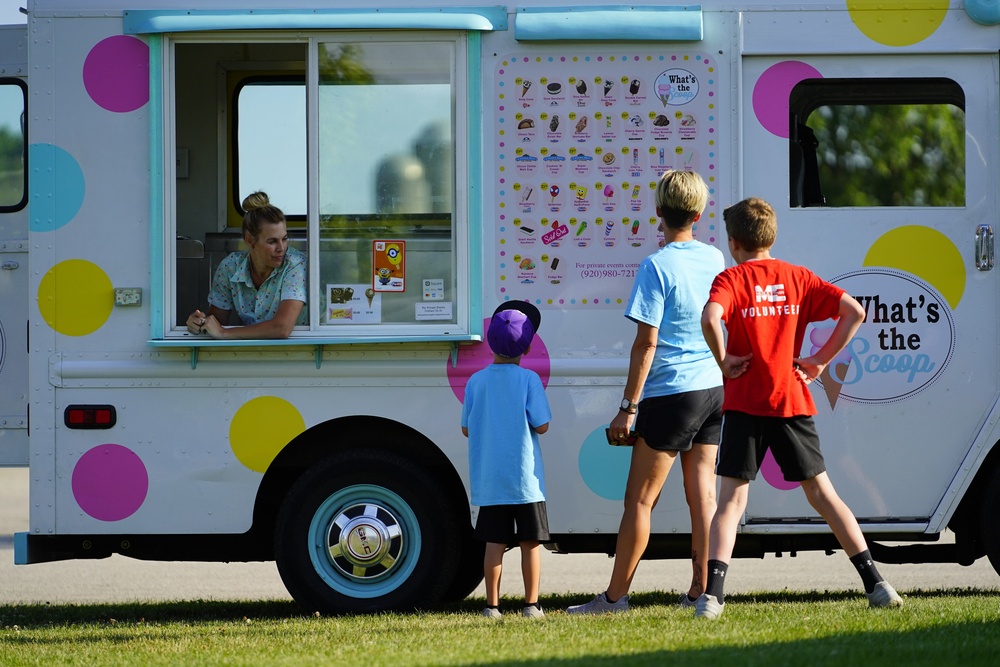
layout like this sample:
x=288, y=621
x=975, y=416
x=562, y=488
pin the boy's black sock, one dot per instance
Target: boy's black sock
x=866, y=568
x=532, y=604
x=716, y=579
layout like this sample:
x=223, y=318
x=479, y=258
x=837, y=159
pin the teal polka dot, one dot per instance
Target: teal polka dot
x=56, y=187
x=604, y=468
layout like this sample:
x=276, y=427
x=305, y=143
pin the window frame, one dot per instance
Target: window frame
x=165, y=332
x=20, y=205
x=811, y=94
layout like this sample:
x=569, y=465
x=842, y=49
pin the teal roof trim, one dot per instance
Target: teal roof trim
x=611, y=23
x=151, y=21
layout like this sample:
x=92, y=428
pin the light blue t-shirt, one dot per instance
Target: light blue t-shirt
x=233, y=288
x=671, y=289
x=502, y=404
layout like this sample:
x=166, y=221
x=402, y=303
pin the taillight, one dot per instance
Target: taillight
x=90, y=416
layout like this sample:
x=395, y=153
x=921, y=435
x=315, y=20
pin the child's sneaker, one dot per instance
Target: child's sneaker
x=600, y=605
x=685, y=602
x=492, y=612
x=708, y=606
x=531, y=611
x=884, y=595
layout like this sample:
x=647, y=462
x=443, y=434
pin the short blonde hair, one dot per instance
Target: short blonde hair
x=680, y=196
x=259, y=211
x=752, y=223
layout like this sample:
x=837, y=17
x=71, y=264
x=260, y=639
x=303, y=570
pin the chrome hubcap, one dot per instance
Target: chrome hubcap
x=365, y=541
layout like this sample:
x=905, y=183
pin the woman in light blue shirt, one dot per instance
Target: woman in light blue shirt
x=259, y=292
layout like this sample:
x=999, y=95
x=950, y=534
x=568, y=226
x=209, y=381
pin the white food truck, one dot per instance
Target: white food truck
x=435, y=160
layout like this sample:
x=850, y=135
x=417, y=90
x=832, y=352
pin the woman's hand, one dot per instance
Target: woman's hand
x=196, y=322
x=621, y=425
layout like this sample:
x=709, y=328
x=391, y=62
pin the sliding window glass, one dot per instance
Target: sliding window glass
x=386, y=184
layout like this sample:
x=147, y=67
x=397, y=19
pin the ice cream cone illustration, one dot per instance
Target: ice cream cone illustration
x=524, y=87
x=369, y=294
x=831, y=378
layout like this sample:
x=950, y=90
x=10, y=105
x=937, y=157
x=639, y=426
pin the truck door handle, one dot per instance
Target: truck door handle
x=9, y=265
x=984, y=247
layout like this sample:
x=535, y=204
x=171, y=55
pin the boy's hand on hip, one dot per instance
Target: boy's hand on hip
x=734, y=366
x=808, y=369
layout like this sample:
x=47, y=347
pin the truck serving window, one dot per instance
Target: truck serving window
x=877, y=142
x=358, y=138
x=13, y=173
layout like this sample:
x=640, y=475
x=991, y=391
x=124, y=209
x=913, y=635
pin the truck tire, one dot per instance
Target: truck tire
x=468, y=572
x=364, y=531
x=989, y=519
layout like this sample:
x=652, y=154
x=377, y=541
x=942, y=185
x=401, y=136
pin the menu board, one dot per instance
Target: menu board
x=581, y=141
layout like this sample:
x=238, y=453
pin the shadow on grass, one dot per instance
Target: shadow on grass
x=37, y=615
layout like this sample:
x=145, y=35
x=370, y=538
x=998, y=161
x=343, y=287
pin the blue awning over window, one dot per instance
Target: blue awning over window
x=141, y=21
x=610, y=23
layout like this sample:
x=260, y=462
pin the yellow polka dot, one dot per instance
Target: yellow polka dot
x=75, y=297
x=261, y=428
x=897, y=22
x=924, y=252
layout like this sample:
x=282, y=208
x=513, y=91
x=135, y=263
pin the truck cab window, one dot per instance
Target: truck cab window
x=877, y=142
x=270, y=141
x=13, y=175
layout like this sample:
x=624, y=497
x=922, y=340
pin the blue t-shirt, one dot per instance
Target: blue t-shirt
x=502, y=404
x=233, y=288
x=670, y=291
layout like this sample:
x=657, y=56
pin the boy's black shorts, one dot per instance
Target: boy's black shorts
x=793, y=441
x=510, y=524
x=673, y=423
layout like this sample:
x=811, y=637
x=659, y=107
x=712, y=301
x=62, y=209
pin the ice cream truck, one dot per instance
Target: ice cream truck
x=434, y=160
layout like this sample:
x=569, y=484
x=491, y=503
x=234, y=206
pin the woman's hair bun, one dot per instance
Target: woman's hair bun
x=256, y=200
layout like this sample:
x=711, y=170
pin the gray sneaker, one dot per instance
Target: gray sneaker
x=708, y=606
x=685, y=602
x=531, y=611
x=884, y=595
x=600, y=605
x=491, y=612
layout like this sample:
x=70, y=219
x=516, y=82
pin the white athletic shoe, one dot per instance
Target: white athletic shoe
x=708, y=606
x=600, y=605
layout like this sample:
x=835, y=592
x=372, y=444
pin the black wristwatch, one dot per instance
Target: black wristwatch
x=628, y=406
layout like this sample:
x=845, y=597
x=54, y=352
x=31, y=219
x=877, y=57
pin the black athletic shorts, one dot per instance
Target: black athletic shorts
x=510, y=524
x=793, y=441
x=673, y=423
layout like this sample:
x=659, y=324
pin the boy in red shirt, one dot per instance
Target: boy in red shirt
x=766, y=305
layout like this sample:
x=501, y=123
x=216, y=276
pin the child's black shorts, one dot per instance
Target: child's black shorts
x=793, y=441
x=673, y=423
x=510, y=524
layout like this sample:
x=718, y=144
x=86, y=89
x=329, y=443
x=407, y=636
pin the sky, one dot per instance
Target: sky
x=9, y=13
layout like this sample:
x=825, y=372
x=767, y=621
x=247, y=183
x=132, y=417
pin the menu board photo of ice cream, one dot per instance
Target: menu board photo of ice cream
x=581, y=141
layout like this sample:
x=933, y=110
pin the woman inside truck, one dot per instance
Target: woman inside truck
x=259, y=292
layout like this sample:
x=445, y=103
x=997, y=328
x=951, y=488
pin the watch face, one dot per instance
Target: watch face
x=626, y=404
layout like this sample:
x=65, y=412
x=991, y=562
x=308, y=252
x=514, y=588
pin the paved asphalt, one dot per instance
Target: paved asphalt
x=119, y=579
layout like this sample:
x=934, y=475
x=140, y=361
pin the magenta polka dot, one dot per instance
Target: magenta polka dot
x=116, y=73
x=110, y=482
x=770, y=94
x=475, y=357
x=772, y=473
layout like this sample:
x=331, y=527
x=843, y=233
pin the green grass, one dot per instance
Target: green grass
x=959, y=627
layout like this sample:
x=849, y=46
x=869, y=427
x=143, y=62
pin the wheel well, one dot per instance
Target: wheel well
x=965, y=523
x=340, y=434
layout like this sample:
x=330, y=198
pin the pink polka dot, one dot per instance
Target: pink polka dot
x=116, y=73
x=110, y=482
x=477, y=356
x=772, y=473
x=770, y=94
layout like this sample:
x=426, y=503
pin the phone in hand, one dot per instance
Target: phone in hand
x=627, y=441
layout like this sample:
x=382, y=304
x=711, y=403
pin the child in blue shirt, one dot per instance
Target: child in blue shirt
x=505, y=410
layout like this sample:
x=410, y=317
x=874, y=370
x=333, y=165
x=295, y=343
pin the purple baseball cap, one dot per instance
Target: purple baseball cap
x=510, y=333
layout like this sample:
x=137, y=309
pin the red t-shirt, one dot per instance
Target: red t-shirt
x=767, y=305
